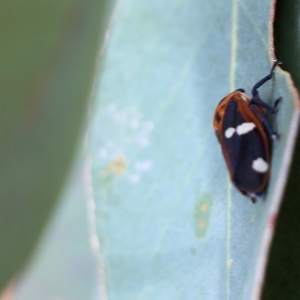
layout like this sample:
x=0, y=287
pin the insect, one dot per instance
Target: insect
x=245, y=135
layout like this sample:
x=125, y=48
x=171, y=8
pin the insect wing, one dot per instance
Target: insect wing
x=245, y=147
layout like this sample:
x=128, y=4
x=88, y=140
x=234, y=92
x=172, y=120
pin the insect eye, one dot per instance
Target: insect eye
x=240, y=90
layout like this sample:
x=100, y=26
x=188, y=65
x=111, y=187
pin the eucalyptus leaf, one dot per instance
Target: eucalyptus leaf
x=164, y=219
x=169, y=223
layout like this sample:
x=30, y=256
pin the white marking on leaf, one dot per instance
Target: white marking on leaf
x=103, y=153
x=134, y=124
x=143, y=142
x=229, y=132
x=125, y=131
x=149, y=126
x=245, y=128
x=260, y=165
x=134, y=178
x=143, y=165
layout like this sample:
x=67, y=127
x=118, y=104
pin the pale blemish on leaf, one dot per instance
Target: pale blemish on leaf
x=202, y=223
x=118, y=166
x=115, y=167
x=134, y=178
x=202, y=214
x=230, y=262
x=127, y=131
x=143, y=165
x=204, y=207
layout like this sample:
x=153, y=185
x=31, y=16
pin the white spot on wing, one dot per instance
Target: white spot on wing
x=260, y=165
x=229, y=132
x=245, y=128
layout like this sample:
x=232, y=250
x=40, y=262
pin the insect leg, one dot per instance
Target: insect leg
x=270, y=109
x=253, y=199
x=276, y=104
x=273, y=134
x=255, y=93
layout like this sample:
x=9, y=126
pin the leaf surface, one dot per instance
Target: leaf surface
x=169, y=223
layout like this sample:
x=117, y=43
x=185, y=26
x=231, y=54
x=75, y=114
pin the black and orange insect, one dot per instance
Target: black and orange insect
x=245, y=135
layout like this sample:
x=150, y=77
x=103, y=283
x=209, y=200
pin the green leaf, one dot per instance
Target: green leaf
x=170, y=225
x=48, y=58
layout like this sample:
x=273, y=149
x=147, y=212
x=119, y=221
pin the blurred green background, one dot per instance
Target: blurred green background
x=48, y=59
